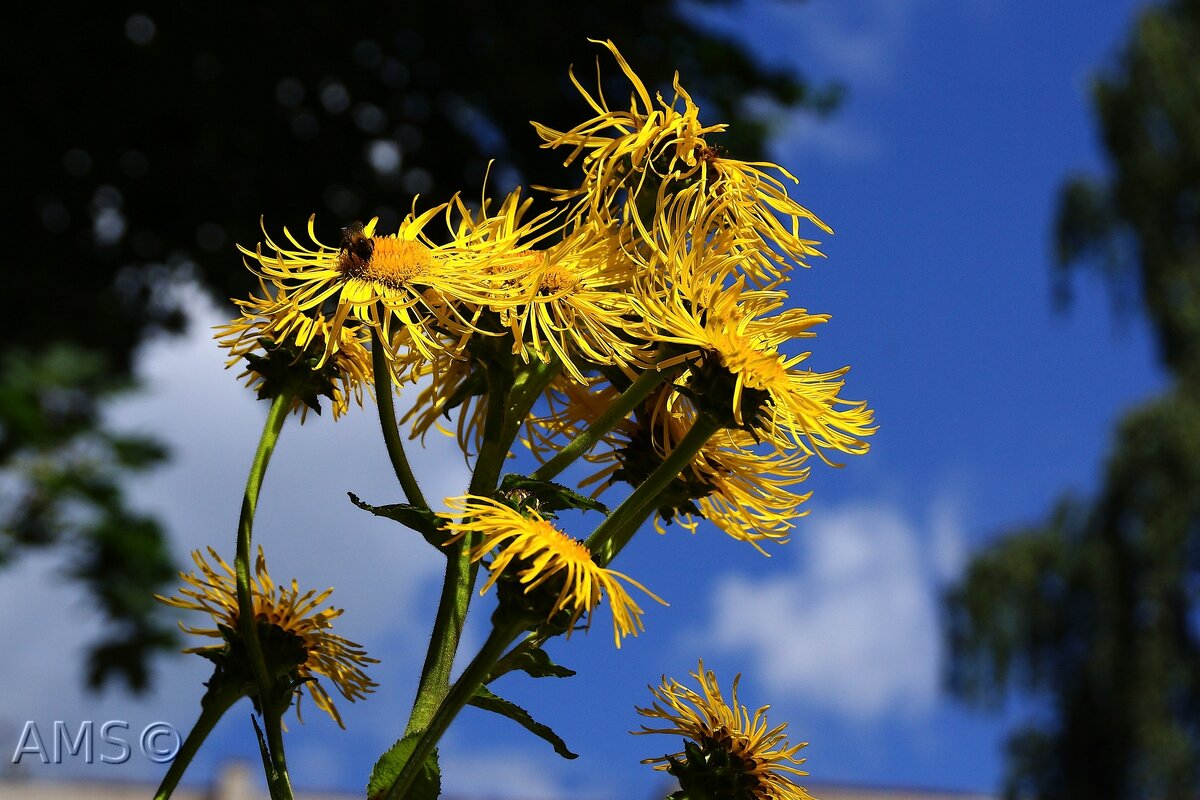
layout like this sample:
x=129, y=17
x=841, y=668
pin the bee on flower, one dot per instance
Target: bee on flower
x=415, y=294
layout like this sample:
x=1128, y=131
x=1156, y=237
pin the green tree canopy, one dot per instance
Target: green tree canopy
x=1096, y=612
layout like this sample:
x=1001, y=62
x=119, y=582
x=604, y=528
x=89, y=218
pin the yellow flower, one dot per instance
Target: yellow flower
x=734, y=754
x=743, y=488
x=287, y=350
x=622, y=148
x=283, y=611
x=412, y=291
x=575, y=305
x=663, y=148
x=731, y=337
x=538, y=555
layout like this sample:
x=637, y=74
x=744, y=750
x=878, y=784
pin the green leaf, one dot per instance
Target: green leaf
x=387, y=769
x=421, y=520
x=535, y=662
x=550, y=496
x=489, y=701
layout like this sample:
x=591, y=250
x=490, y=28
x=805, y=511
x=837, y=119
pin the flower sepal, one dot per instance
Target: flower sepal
x=715, y=391
x=233, y=670
x=711, y=772
x=537, y=608
x=286, y=369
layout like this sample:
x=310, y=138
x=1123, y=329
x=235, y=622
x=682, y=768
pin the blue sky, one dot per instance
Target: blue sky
x=939, y=176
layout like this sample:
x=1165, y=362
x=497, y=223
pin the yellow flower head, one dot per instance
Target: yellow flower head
x=575, y=305
x=731, y=338
x=731, y=753
x=744, y=488
x=285, y=349
x=538, y=555
x=289, y=615
x=741, y=487
x=662, y=148
x=411, y=290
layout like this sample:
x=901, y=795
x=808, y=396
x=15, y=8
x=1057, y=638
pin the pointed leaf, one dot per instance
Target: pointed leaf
x=551, y=496
x=387, y=769
x=421, y=520
x=489, y=701
x=535, y=662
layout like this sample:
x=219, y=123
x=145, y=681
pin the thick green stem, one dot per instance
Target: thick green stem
x=638, y=391
x=458, y=696
x=212, y=708
x=615, y=532
x=508, y=402
x=443, y=641
x=458, y=582
x=387, y=421
x=281, y=781
x=247, y=624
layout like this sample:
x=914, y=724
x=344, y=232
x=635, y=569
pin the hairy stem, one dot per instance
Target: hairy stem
x=387, y=421
x=458, y=696
x=508, y=401
x=638, y=391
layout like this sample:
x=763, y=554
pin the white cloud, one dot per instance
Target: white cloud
x=851, y=625
x=857, y=42
x=385, y=576
x=306, y=522
x=837, y=138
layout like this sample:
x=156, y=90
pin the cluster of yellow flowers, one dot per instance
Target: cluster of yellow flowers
x=668, y=261
x=667, y=256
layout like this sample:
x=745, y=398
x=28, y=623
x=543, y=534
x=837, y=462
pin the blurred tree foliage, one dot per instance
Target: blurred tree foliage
x=1096, y=612
x=144, y=141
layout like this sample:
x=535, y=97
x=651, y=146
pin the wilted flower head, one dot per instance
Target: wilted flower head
x=658, y=155
x=295, y=635
x=730, y=753
x=287, y=350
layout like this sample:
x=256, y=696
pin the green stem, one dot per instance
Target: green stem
x=247, y=623
x=443, y=641
x=281, y=783
x=212, y=707
x=458, y=696
x=638, y=391
x=508, y=402
x=615, y=532
x=387, y=421
x=458, y=582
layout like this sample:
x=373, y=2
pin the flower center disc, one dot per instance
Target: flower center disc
x=394, y=262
